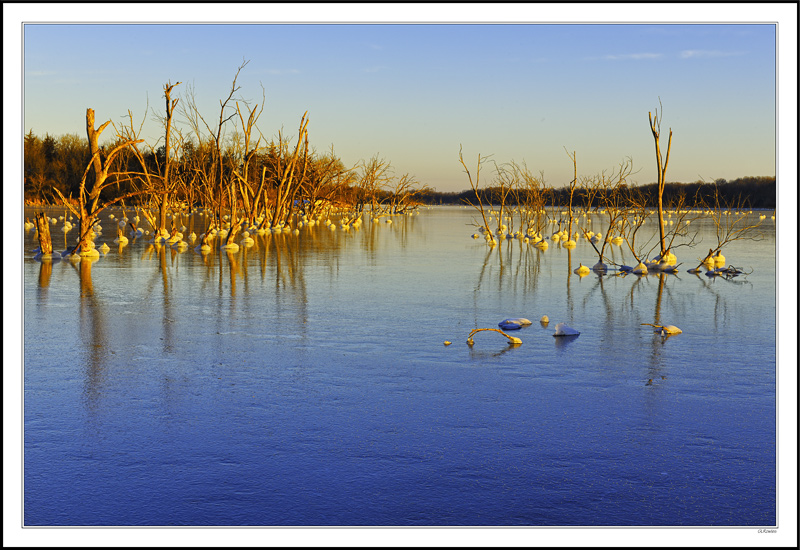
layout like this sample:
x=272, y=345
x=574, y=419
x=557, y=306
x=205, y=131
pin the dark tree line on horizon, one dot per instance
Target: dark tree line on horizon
x=755, y=191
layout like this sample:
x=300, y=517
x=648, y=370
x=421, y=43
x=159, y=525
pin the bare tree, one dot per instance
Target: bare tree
x=289, y=174
x=683, y=217
x=95, y=178
x=633, y=218
x=218, y=190
x=572, y=186
x=732, y=224
x=167, y=184
x=187, y=177
x=159, y=184
x=610, y=189
x=402, y=192
x=655, y=128
x=250, y=197
x=327, y=179
x=475, y=185
x=373, y=177
x=506, y=182
x=532, y=198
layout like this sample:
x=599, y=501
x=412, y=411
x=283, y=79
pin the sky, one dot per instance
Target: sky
x=415, y=94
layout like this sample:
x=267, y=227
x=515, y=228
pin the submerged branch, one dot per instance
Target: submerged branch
x=511, y=339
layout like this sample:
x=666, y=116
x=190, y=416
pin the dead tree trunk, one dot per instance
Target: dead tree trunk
x=289, y=180
x=655, y=128
x=249, y=154
x=572, y=185
x=95, y=178
x=489, y=236
x=43, y=231
x=205, y=238
x=90, y=190
x=167, y=184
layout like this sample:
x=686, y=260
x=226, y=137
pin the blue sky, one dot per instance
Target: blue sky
x=415, y=93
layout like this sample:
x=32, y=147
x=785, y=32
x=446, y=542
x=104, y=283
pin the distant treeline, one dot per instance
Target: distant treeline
x=752, y=191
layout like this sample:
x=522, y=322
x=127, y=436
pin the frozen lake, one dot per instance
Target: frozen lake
x=304, y=382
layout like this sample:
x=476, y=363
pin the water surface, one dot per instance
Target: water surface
x=304, y=382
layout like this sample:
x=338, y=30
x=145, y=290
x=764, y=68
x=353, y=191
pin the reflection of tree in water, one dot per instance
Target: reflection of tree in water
x=163, y=276
x=615, y=255
x=659, y=294
x=637, y=287
x=609, y=305
x=720, y=314
x=525, y=273
x=679, y=309
x=487, y=267
x=519, y=265
x=500, y=349
x=92, y=331
x=45, y=272
x=570, y=306
x=657, y=341
x=402, y=228
x=245, y=252
x=481, y=275
x=656, y=373
x=518, y=268
x=282, y=255
x=222, y=265
x=233, y=269
x=286, y=261
x=369, y=237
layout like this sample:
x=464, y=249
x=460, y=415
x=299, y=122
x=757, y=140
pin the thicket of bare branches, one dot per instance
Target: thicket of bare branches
x=225, y=166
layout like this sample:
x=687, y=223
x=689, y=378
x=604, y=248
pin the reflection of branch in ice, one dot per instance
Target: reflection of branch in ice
x=637, y=285
x=45, y=271
x=727, y=273
x=483, y=269
x=590, y=294
x=479, y=354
